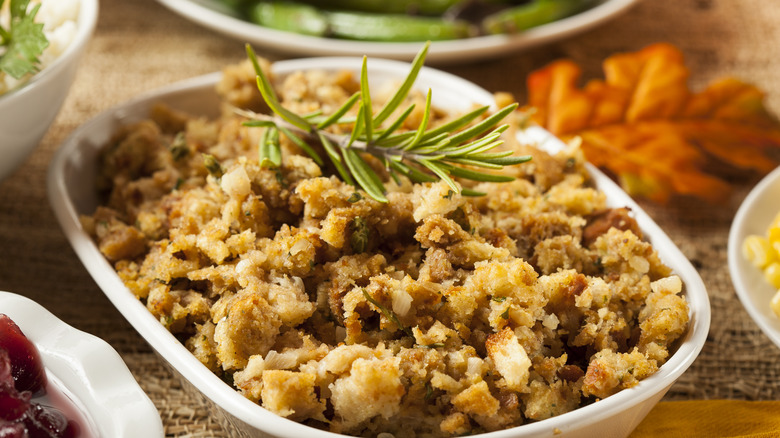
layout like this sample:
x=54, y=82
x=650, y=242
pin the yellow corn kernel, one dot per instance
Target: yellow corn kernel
x=775, y=222
x=775, y=304
x=773, y=235
x=772, y=274
x=756, y=249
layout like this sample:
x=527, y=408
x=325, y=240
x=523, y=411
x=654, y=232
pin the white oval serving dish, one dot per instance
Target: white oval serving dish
x=71, y=193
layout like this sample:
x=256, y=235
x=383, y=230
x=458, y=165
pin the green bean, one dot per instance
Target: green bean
x=290, y=16
x=532, y=14
x=421, y=7
x=305, y=19
x=396, y=27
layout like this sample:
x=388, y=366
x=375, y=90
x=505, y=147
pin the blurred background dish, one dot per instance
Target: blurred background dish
x=755, y=214
x=88, y=371
x=215, y=15
x=27, y=110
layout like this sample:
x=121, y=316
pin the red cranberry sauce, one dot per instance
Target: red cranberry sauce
x=22, y=376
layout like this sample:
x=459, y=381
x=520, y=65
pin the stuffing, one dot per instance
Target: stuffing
x=431, y=315
x=510, y=359
x=250, y=327
x=291, y=394
x=372, y=388
x=610, y=371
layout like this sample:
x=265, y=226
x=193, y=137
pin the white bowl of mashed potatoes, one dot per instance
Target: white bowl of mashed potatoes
x=29, y=103
x=552, y=306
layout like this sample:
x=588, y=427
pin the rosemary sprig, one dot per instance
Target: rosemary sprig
x=457, y=149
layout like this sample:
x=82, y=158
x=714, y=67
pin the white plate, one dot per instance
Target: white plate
x=214, y=15
x=71, y=192
x=88, y=371
x=753, y=217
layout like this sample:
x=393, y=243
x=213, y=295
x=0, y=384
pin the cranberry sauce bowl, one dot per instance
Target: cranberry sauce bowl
x=81, y=375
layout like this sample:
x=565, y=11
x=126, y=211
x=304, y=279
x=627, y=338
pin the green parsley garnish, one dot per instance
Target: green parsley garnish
x=23, y=42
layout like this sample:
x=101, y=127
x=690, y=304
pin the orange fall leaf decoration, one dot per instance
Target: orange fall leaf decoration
x=643, y=125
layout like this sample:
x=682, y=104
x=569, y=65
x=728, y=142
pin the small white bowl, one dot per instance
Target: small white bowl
x=88, y=371
x=755, y=214
x=27, y=112
x=71, y=192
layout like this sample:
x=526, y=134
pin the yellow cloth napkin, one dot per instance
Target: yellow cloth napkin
x=712, y=418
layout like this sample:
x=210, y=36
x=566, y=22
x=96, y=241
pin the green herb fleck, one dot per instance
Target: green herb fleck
x=449, y=194
x=459, y=217
x=354, y=197
x=213, y=166
x=433, y=345
x=505, y=315
x=359, y=237
x=280, y=177
x=179, y=147
x=428, y=391
x=498, y=299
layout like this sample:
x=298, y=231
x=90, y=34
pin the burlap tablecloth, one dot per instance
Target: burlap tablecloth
x=139, y=45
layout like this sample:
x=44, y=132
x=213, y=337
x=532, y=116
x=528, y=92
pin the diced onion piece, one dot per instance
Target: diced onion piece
x=402, y=302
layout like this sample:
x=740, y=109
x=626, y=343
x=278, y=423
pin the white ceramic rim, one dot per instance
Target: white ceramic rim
x=88, y=16
x=92, y=373
x=753, y=217
x=210, y=14
x=229, y=399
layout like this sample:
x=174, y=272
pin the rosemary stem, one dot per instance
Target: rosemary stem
x=337, y=139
